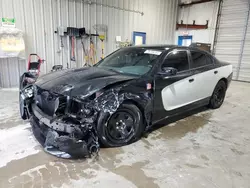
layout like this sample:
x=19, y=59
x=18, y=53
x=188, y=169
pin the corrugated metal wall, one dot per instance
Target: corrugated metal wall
x=40, y=18
x=233, y=37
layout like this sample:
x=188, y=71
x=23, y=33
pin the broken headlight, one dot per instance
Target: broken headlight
x=83, y=108
x=28, y=92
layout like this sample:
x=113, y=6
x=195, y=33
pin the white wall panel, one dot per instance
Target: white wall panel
x=40, y=18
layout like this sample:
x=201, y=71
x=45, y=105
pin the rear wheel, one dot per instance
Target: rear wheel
x=122, y=128
x=218, y=96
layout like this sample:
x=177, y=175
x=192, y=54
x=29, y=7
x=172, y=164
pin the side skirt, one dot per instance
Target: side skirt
x=184, y=109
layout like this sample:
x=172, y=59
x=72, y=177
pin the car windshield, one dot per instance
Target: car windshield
x=136, y=61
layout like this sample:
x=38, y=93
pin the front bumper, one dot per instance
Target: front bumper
x=59, y=138
x=54, y=124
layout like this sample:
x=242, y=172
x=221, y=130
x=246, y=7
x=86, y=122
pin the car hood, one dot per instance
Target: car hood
x=81, y=82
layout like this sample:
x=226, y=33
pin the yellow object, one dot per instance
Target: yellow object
x=92, y=53
x=102, y=37
x=86, y=58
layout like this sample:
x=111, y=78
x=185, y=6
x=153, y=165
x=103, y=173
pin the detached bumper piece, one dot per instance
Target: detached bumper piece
x=61, y=139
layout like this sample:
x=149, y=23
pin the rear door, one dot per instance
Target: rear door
x=173, y=92
x=205, y=74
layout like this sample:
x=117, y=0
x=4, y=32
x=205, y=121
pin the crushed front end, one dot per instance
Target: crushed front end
x=62, y=125
x=67, y=124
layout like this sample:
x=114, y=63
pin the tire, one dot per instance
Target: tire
x=122, y=128
x=22, y=108
x=218, y=96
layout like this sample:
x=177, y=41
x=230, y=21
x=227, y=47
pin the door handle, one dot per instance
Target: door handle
x=215, y=72
x=191, y=80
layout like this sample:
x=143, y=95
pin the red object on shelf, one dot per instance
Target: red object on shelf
x=191, y=26
x=195, y=2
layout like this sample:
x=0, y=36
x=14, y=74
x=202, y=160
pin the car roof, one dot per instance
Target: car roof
x=165, y=47
x=158, y=46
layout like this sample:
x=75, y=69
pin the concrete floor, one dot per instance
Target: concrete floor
x=208, y=149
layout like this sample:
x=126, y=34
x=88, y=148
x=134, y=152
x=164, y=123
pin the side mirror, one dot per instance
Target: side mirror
x=168, y=71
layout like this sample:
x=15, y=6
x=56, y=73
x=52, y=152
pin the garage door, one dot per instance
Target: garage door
x=244, y=73
x=233, y=37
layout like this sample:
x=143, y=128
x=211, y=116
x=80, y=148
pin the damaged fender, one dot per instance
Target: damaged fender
x=66, y=122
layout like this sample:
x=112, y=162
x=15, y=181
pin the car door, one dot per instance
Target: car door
x=204, y=74
x=176, y=91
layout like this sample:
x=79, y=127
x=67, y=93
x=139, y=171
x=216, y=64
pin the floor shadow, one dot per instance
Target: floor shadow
x=173, y=119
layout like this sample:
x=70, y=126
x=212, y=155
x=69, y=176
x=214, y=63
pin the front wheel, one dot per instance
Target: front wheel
x=123, y=127
x=218, y=96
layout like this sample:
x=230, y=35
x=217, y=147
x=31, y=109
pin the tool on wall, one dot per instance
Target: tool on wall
x=80, y=33
x=84, y=36
x=89, y=55
x=61, y=33
x=73, y=33
x=92, y=51
x=86, y=56
x=101, y=30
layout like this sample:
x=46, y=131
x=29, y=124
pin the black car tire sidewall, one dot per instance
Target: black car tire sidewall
x=213, y=104
x=22, y=108
x=102, y=126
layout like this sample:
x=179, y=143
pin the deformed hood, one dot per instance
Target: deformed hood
x=80, y=82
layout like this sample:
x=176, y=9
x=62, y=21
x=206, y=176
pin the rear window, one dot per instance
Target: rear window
x=200, y=59
x=210, y=60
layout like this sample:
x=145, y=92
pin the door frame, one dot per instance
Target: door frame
x=141, y=34
x=181, y=38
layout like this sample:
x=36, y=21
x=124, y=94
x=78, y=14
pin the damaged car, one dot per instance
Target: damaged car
x=74, y=111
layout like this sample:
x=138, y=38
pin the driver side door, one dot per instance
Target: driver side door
x=173, y=92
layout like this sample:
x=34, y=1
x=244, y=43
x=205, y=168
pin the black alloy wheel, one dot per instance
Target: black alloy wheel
x=123, y=127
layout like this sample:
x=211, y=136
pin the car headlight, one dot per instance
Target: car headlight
x=29, y=92
x=56, y=104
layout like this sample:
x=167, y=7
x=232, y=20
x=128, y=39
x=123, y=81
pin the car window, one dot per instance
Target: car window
x=210, y=60
x=199, y=59
x=177, y=59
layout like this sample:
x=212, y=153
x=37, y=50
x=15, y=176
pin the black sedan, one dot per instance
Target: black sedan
x=113, y=103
